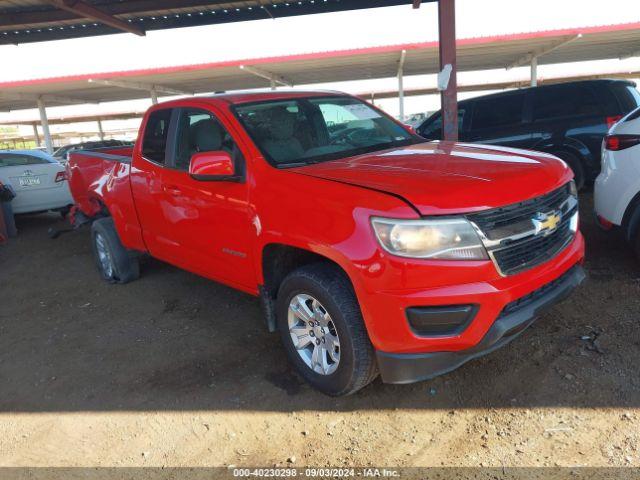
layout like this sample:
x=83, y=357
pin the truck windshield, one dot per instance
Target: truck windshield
x=317, y=129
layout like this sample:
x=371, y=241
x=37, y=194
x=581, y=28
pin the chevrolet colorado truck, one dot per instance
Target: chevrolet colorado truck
x=372, y=250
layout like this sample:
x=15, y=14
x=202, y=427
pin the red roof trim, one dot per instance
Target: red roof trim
x=328, y=54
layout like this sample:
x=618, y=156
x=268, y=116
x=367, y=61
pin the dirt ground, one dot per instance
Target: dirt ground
x=173, y=370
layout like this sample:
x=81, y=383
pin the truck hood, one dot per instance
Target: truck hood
x=440, y=178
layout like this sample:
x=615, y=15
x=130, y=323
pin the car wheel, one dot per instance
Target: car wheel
x=115, y=263
x=576, y=164
x=322, y=330
x=635, y=243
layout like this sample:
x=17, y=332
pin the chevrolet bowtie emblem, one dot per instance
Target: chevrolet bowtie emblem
x=546, y=222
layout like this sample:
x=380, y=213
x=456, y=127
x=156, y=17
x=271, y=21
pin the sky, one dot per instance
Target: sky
x=381, y=26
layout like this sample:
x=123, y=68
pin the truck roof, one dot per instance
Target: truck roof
x=262, y=95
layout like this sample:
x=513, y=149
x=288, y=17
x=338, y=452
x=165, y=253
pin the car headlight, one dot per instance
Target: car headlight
x=444, y=239
x=573, y=189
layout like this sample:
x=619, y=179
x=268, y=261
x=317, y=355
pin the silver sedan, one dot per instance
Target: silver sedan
x=39, y=181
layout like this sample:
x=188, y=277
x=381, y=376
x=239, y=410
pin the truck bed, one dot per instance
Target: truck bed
x=100, y=178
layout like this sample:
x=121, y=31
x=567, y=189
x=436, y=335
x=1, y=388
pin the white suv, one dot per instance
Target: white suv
x=617, y=188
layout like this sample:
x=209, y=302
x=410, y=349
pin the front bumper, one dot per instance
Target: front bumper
x=516, y=317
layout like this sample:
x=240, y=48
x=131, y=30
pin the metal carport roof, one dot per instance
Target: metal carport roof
x=23, y=21
x=478, y=53
x=376, y=95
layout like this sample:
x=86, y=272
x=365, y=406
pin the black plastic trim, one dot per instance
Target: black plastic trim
x=440, y=321
x=218, y=178
x=409, y=368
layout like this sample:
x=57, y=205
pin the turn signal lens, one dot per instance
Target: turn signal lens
x=573, y=189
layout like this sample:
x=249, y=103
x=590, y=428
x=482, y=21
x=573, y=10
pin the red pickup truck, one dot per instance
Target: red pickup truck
x=371, y=249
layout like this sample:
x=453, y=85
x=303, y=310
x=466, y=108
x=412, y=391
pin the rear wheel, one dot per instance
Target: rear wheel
x=115, y=263
x=635, y=242
x=576, y=164
x=322, y=330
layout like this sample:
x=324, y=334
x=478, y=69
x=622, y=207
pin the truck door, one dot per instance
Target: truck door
x=206, y=226
x=147, y=170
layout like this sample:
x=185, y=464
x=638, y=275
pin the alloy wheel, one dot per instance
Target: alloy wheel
x=314, y=334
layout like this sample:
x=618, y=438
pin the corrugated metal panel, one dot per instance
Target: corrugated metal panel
x=589, y=43
x=23, y=21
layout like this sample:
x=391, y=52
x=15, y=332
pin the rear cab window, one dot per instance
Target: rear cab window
x=156, y=133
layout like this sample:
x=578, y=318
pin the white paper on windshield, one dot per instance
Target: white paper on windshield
x=361, y=111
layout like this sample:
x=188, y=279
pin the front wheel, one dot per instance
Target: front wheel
x=115, y=263
x=323, y=332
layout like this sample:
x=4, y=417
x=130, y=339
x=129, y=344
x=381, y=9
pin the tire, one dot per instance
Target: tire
x=115, y=263
x=330, y=287
x=635, y=243
x=576, y=164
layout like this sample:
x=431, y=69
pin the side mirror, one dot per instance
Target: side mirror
x=213, y=167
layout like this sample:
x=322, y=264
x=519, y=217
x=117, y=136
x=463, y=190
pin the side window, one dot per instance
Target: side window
x=200, y=131
x=498, y=112
x=17, y=160
x=562, y=101
x=433, y=130
x=154, y=142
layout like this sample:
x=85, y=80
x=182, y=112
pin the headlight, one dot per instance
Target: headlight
x=446, y=239
x=573, y=189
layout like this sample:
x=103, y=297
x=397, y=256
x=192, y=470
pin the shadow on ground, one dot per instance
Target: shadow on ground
x=174, y=341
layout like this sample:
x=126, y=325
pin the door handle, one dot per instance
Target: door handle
x=171, y=190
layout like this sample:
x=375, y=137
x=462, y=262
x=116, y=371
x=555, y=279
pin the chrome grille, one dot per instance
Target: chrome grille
x=512, y=239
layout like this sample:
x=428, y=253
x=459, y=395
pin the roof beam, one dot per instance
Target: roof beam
x=272, y=77
x=481, y=87
x=148, y=87
x=45, y=98
x=526, y=59
x=82, y=9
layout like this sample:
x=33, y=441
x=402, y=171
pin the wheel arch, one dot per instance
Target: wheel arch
x=574, y=147
x=631, y=218
x=276, y=262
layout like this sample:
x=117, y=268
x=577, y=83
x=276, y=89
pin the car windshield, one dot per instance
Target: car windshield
x=317, y=129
